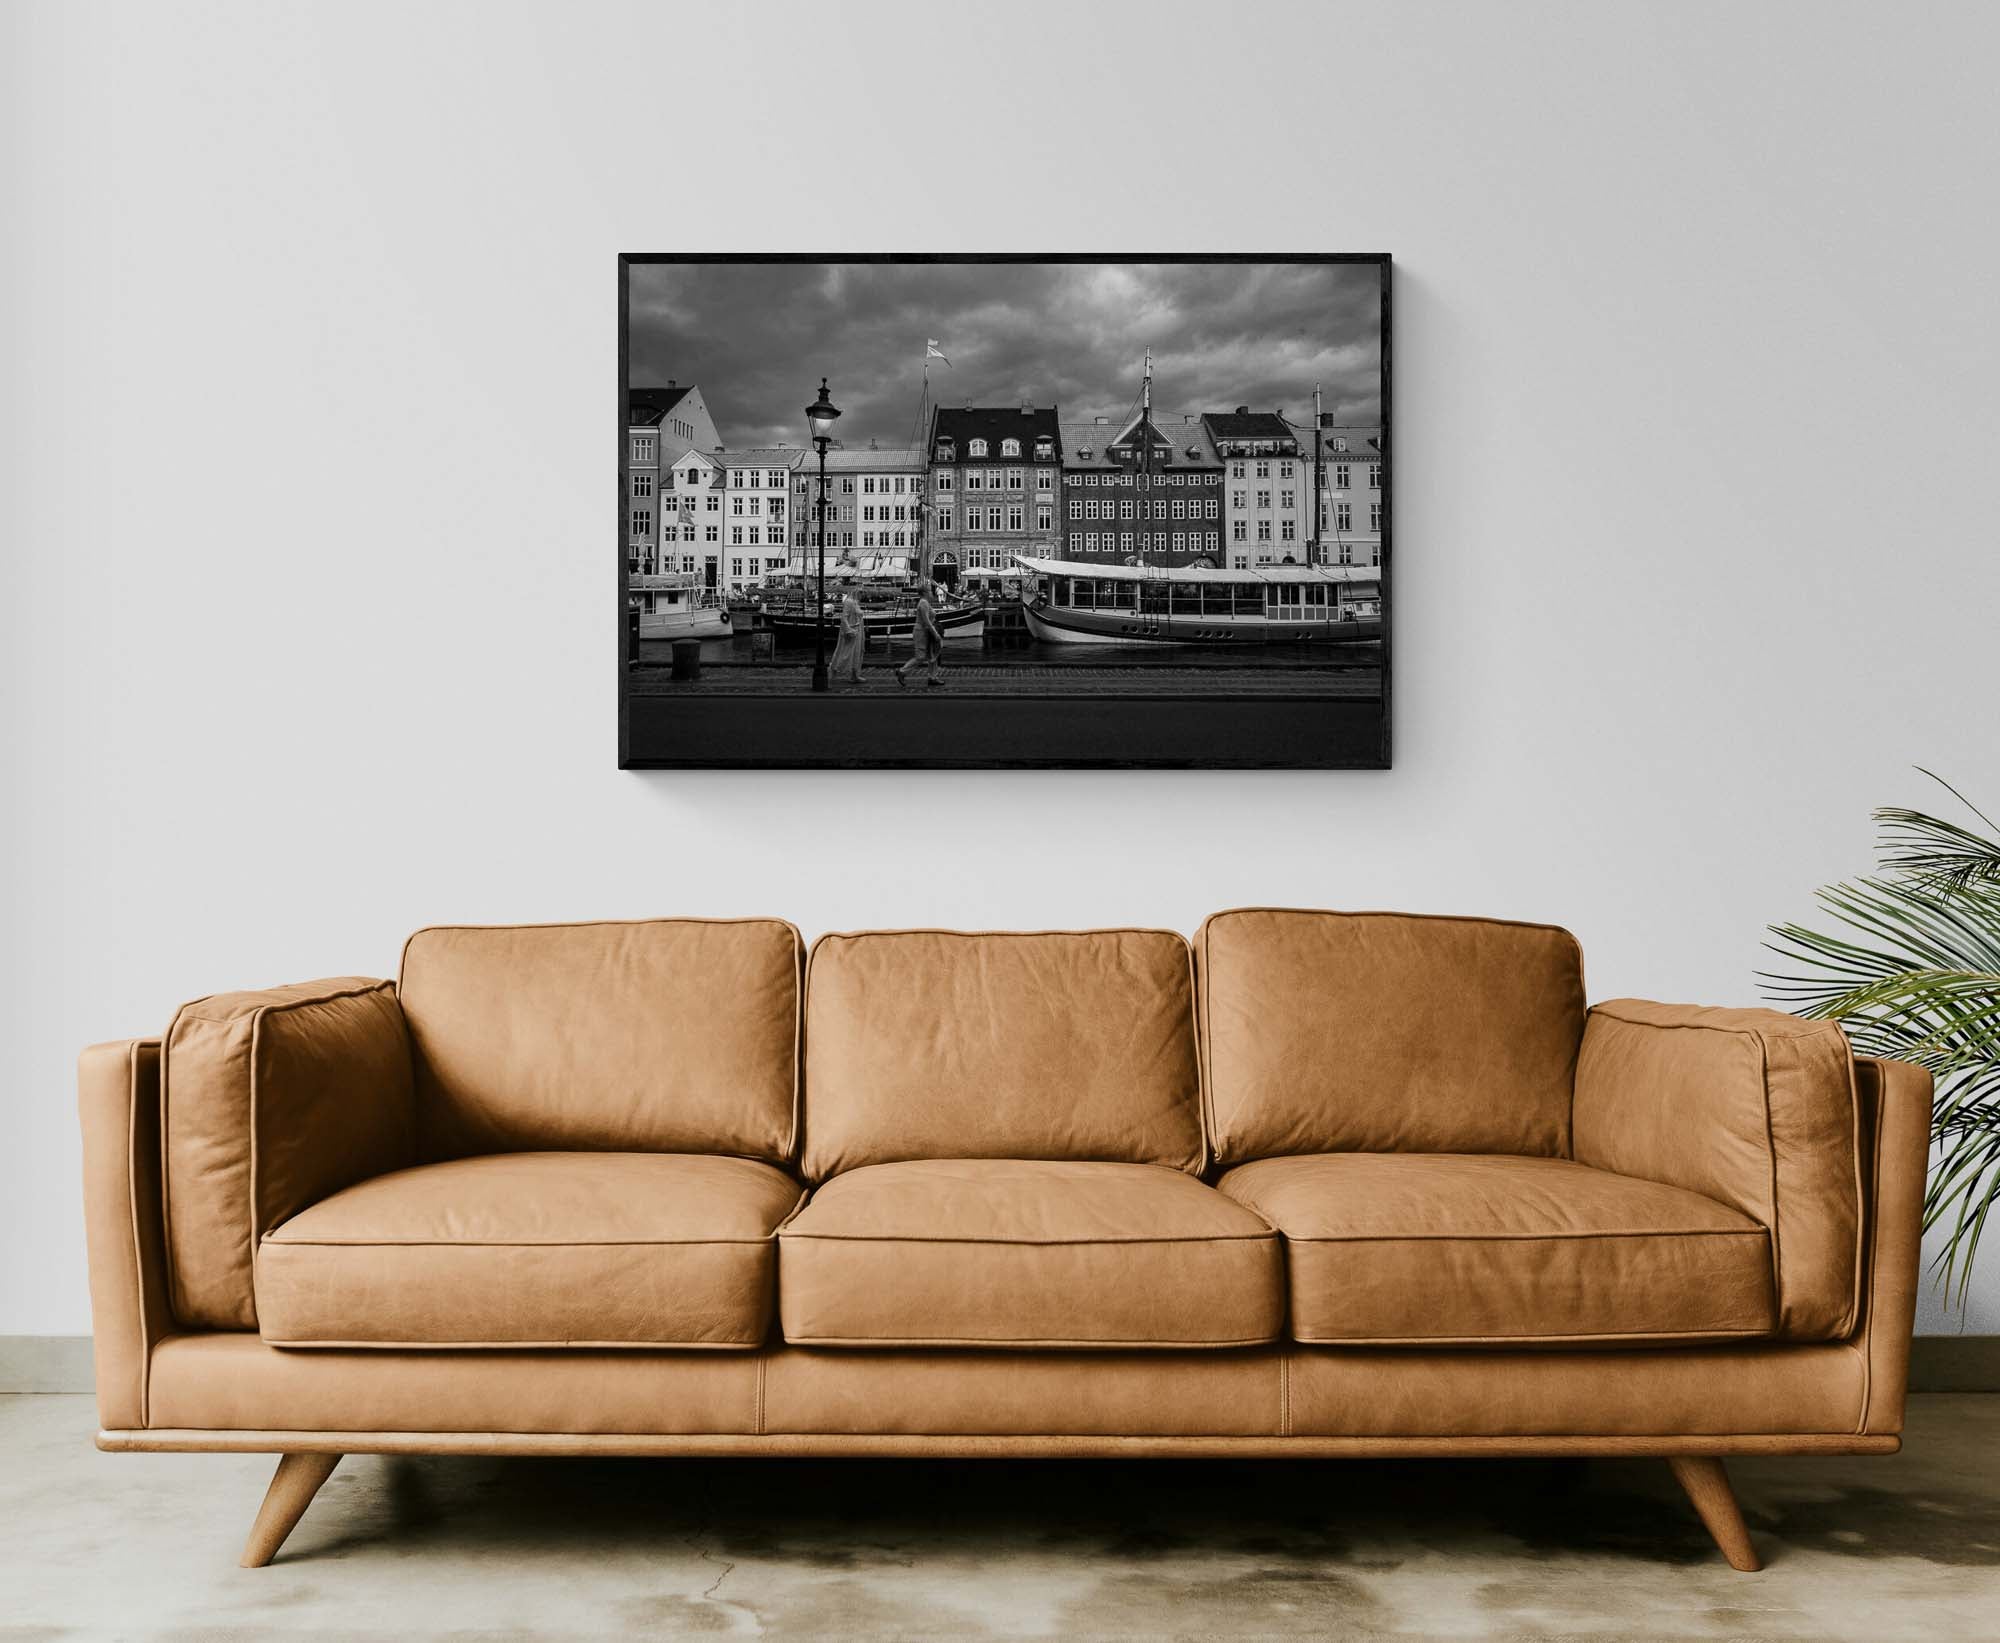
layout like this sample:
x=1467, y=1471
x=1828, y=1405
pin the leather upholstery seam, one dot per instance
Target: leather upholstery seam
x=1520, y=1237
x=1504, y=1339
x=1104, y=1343
x=132, y=1220
x=539, y=1344
x=272, y=1239
x=1025, y=1243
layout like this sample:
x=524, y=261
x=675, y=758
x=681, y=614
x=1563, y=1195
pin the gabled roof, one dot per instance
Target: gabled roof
x=1248, y=425
x=898, y=459
x=646, y=407
x=1362, y=439
x=994, y=423
x=1099, y=437
x=760, y=456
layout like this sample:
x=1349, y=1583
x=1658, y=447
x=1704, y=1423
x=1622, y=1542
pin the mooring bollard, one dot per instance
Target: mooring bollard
x=687, y=658
x=763, y=645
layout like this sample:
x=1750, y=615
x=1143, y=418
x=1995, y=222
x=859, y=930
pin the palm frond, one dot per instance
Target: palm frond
x=1914, y=974
x=1922, y=846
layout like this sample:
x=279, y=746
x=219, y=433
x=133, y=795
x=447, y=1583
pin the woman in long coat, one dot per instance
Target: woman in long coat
x=847, y=650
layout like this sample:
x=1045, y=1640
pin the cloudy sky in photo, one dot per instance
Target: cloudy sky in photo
x=757, y=338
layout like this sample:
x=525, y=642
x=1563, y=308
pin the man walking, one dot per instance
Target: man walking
x=926, y=647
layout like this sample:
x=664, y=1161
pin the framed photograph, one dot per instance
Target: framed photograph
x=1004, y=511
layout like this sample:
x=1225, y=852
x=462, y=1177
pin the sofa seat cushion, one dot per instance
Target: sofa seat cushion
x=1001, y=1253
x=1477, y=1250
x=542, y=1249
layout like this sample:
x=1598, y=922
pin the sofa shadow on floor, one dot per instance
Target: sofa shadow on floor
x=1875, y=1548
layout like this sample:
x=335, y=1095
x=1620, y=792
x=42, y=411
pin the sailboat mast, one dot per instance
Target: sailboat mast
x=1318, y=555
x=1146, y=460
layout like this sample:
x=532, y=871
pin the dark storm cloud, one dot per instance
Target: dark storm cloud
x=757, y=337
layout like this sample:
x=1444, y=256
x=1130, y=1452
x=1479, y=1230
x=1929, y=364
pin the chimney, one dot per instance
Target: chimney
x=671, y=383
x=1242, y=410
x=1102, y=421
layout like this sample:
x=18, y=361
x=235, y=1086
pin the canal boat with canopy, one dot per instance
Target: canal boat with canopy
x=1077, y=603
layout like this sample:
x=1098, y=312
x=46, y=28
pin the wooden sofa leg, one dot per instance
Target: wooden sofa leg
x=1707, y=1486
x=293, y=1486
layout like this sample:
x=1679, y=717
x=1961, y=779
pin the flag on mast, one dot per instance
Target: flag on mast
x=933, y=351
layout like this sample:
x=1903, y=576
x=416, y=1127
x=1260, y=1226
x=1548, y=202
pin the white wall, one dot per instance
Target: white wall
x=309, y=369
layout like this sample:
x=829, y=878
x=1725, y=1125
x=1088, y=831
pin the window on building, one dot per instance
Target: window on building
x=642, y=447
x=1045, y=519
x=1343, y=516
x=736, y=535
x=972, y=519
x=642, y=522
x=1235, y=470
x=1284, y=470
x=1013, y=476
x=1289, y=531
x=1263, y=470
x=714, y=502
x=1263, y=499
x=992, y=519
x=1239, y=499
x=1076, y=507
x=1045, y=479
x=1008, y=447
x=944, y=519
x=1125, y=540
x=1239, y=530
x=1374, y=516
x=1288, y=499
x=642, y=484
x=976, y=447
x=712, y=534
x=1263, y=530
x=1374, y=476
x=944, y=479
x=687, y=561
x=735, y=567
x=1126, y=508
x=975, y=479
x=1340, y=444
x=1014, y=517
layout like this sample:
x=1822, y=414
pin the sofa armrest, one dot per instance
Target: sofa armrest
x=1896, y=1134
x=1753, y=1108
x=271, y=1101
x=118, y=1105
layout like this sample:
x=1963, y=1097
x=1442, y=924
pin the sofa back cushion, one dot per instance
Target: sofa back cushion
x=667, y=1035
x=1033, y=1045
x=1387, y=1032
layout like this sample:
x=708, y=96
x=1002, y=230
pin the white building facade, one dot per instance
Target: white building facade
x=662, y=425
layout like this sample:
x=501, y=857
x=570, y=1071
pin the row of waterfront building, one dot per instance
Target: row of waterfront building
x=1230, y=489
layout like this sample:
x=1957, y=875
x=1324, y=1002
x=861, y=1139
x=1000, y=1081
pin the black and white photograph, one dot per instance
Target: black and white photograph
x=1153, y=490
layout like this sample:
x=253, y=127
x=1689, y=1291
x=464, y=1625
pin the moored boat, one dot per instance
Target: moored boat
x=677, y=605
x=1090, y=604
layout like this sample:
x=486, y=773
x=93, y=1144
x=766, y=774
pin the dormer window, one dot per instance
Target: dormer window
x=1340, y=444
x=976, y=448
x=946, y=452
x=1010, y=447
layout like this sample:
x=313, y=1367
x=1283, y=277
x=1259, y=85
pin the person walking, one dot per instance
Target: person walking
x=926, y=647
x=847, y=651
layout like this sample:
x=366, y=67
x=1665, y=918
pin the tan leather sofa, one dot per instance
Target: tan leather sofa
x=1315, y=1184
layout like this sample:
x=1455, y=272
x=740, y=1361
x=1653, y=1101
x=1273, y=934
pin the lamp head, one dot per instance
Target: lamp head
x=821, y=414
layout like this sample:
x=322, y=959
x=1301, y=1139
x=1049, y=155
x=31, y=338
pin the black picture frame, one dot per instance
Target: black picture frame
x=962, y=728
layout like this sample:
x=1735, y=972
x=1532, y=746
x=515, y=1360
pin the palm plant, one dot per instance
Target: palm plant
x=1915, y=974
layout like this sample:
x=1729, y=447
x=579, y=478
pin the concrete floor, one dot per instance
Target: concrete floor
x=144, y=1546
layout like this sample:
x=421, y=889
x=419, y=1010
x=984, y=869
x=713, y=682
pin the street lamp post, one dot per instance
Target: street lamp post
x=820, y=416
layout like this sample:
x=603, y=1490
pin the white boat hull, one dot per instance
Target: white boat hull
x=683, y=624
